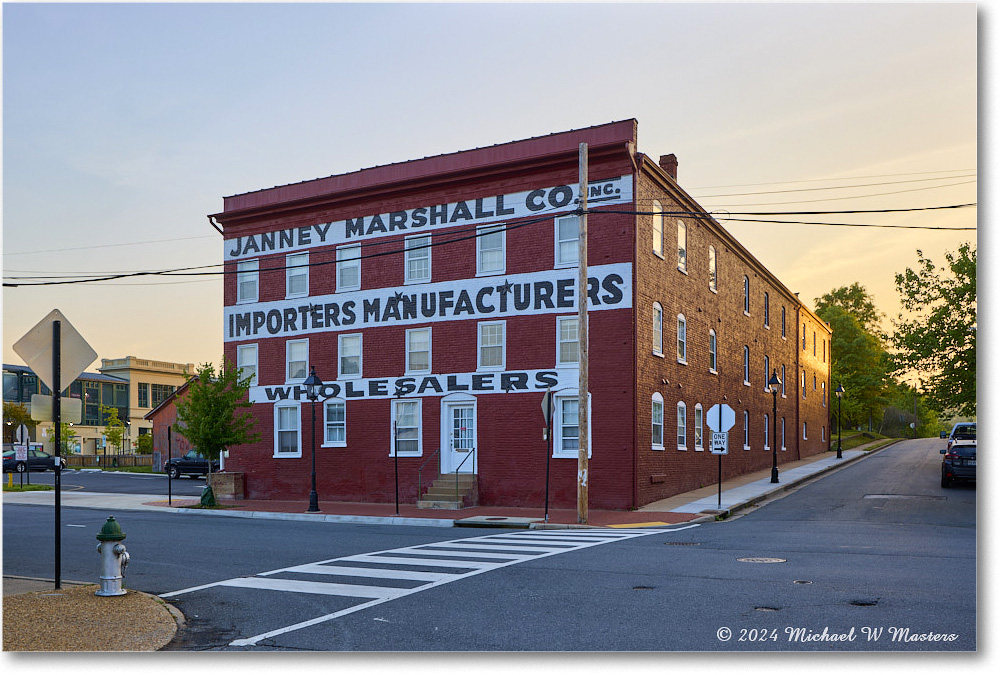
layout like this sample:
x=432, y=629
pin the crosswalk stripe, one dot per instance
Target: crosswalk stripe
x=455, y=552
x=467, y=564
x=318, y=588
x=506, y=547
x=336, y=570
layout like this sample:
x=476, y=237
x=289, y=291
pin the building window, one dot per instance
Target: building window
x=746, y=429
x=418, y=350
x=822, y=385
x=783, y=381
x=746, y=295
x=566, y=426
x=767, y=310
x=767, y=372
x=143, y=393
x=803, y=337
x=158, y=394
x=767, y=429
x=814, y=382
x=713, y=358
x=803, y=384
x=783, y=448
x=814, y=343
x=349, y=353
x=568, y=341
x=287, y=435
x=782, y=321
x=335, y=423
x=746, y=365
x=406, y=422
x=296, y=360
x=657, y=329
x=681, y=426
x=699, y=430
x=349, y=267
x=658, y=219
x=822, y=433
x=567, y=241
x=657, y=421
x=805, y=436
x=490, y=255
x=246, y=361
x=417, y=260
x=713, y=279
x=247, y=276
x=681, y=339
x=492, y=345
x=682, y=246
x=296, y=275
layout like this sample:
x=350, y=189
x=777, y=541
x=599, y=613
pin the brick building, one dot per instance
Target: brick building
x=435, y=298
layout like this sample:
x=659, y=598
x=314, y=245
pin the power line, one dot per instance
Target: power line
x=876, y=194
x=832, y=187
x=134, y=243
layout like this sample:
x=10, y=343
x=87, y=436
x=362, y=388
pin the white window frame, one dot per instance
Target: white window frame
x=289, y=346
x=657, y=329
x=783, y=381
x=396, y=403
x=681, y=339
x=682, y=426
x=803, y=383
x=247, y=271
x=295, y=269
x=783, y=324
x=246, y=361
x=767, y=310
x=783, y=448
x=557, y=424
x=658, y=223
x=480, y=346
x=767, y=373
x=410, y=351
x=767, y=431
x=746, y=365
x=805, y=431
x=561, y=341
x=416, y=248
x=699, y=428
x=713, y=351
x=567, y=260
x=278, y=429
x=327, y=443
x=746, y=294
x=746, y=429
x=657, y=421
x=822, y=385
x=682, y=246
x=481, y=232
x=713, y=270
x=348, y=259
x=343, y=352
x=822, y=433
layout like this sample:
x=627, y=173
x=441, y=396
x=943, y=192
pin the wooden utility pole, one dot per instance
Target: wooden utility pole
x=583, y=417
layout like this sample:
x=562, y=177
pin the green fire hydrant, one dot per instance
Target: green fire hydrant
x=114, y=558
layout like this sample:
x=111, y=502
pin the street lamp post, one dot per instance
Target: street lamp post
x=774, y=383
x=313, y=385
x=839, y=392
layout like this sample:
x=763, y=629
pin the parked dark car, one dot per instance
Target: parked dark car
x=192, y=463
x=959, y=463
x=37, y=461
x=963, y=431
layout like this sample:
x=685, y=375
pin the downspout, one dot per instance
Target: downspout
x=214, y=224
x=630, y=149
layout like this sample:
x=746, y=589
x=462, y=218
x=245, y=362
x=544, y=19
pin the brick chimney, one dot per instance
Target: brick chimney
x=669, y=164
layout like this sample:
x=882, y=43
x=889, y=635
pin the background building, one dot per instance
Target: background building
x=152, y=382
x=436, y=300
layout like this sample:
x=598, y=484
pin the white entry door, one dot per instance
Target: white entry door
x=460, y=436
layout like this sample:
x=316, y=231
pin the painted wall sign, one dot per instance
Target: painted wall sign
x=512, y=382
x=547, y=292
x=429, y=218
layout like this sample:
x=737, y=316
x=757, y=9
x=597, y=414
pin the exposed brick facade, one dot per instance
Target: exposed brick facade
x=506, y=421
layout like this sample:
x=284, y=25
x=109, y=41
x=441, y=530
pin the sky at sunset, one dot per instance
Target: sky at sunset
x=125, y=125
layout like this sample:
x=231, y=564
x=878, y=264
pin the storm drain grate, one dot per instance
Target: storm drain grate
x=865, y=603
x=766, y=609
x=643, y=588
x=761, y=560
x=683, y=543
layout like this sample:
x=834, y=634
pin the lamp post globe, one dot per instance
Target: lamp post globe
x=839, y=391
x=774, y=383
x=313, y=385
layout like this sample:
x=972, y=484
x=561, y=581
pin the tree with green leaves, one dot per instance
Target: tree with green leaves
x=938, y=340
x=14, y=415
x=144, y=444
x=114, y=428
x=856, y=301
x=66, y=435
x=213, y=414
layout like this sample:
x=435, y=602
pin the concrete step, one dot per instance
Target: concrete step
x=438, y=504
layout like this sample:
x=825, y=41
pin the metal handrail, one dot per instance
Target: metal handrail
x=471, y=454
x=419, y=490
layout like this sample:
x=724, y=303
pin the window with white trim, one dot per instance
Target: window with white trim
x=746, y=429
x=246, y=361
x=767, y=309
x=418, y=350
x=658, y=219
x=767, y=430
x=247, y=281
x=349, y=268
x=657, y=421
x=783, y=448
x=490, y=250
x=566, y=425
x=746, y=365
x=783, y=381
x=349, y=356
x=822, y=433
x=296, y=275
x=782, y=321
x=746, y=295
x=334, y=423
x=803, y=384
x=567, y=241
x=492, y=345
x=296, y=360
x=713, y=279
x=406, y=428
x=567, y=341
x=657, y=329
x=805, y=436
x=417, y=259
x=699, y=428
x=767, y=373
x=803, y=337
x=682, y=246
x=814, y=343
x=681, y=339
x=681, y=426
x=822, y=385
x=713, y=354
x=287, y=432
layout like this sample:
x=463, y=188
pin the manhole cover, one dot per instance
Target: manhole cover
x=761, y=560
x=766, y=609
x=801, y=581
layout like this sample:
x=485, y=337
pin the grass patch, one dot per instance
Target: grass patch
x=33, y=487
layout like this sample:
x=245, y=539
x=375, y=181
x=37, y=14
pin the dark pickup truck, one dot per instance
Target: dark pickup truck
x=192, y=463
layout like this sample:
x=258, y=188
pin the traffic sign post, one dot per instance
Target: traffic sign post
x=720, y=419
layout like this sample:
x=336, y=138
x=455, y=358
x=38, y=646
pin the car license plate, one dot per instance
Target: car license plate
x=970, y=462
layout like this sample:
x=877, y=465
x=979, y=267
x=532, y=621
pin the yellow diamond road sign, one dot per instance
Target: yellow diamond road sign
x=36, y=349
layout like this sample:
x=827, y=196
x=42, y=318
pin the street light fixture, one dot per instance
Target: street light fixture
x=313, y=385
x=774, y=383
x=839, y=391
